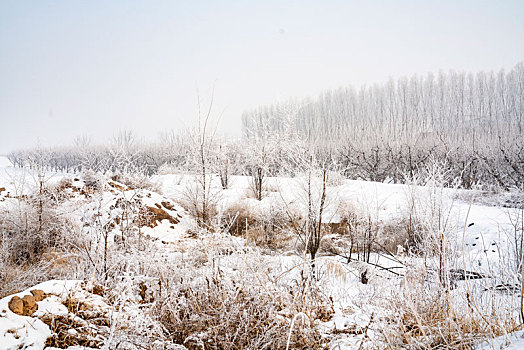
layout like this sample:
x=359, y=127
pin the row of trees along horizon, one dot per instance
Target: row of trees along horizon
x=470, y=123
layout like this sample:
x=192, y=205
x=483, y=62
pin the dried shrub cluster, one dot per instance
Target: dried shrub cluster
x=359, y=237
x=69, y=331
x=215, y=313
x=432, y=322
x=35, y=242
x=83, y=326
x=269, y=229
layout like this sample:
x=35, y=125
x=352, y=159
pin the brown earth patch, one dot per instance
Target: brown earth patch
x=119, y=187
x=152, y=216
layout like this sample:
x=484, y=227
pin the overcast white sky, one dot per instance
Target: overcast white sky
x=94, y=67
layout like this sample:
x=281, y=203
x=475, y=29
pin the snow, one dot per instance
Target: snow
x=4, y=162
x=513, y=341
x=51, y=305
x=481, y=235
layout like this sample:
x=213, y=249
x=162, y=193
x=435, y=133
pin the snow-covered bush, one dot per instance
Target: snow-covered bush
x=424, y=317
x=201, y=308
x=263, y=226
x=199, y=198
x=93, y=179
x=37, y=241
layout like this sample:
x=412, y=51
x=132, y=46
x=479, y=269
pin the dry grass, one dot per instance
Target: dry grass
x=83, y=326
x=431, y=322
x=397, y=234
x=266, y=231
x=364, y=232
x=220, y=315
x=239, y=219
x=276, y=241
x=52, y=265
x=69, y=331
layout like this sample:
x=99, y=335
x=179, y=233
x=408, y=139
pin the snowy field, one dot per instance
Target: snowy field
x=480, y=238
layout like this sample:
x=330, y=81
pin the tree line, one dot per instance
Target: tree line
x=471, y=124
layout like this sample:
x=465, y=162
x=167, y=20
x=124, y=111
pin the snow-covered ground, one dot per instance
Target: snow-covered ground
x=482, y=240
x=483, y=232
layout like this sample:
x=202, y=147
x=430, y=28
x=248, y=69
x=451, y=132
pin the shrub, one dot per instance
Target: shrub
x=93, y=180
x=220, y=313
x=200, y=200
x=34, y=243
x=265, y=229
x=430, y=321
x=239, y=219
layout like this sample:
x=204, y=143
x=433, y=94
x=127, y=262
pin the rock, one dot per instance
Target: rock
x=16, y=305
x=38, y=294
x=24, y=307
x=29, y=305
x=2, y=189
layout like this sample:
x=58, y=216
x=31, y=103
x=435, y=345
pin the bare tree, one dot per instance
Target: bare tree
x=199, y=194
